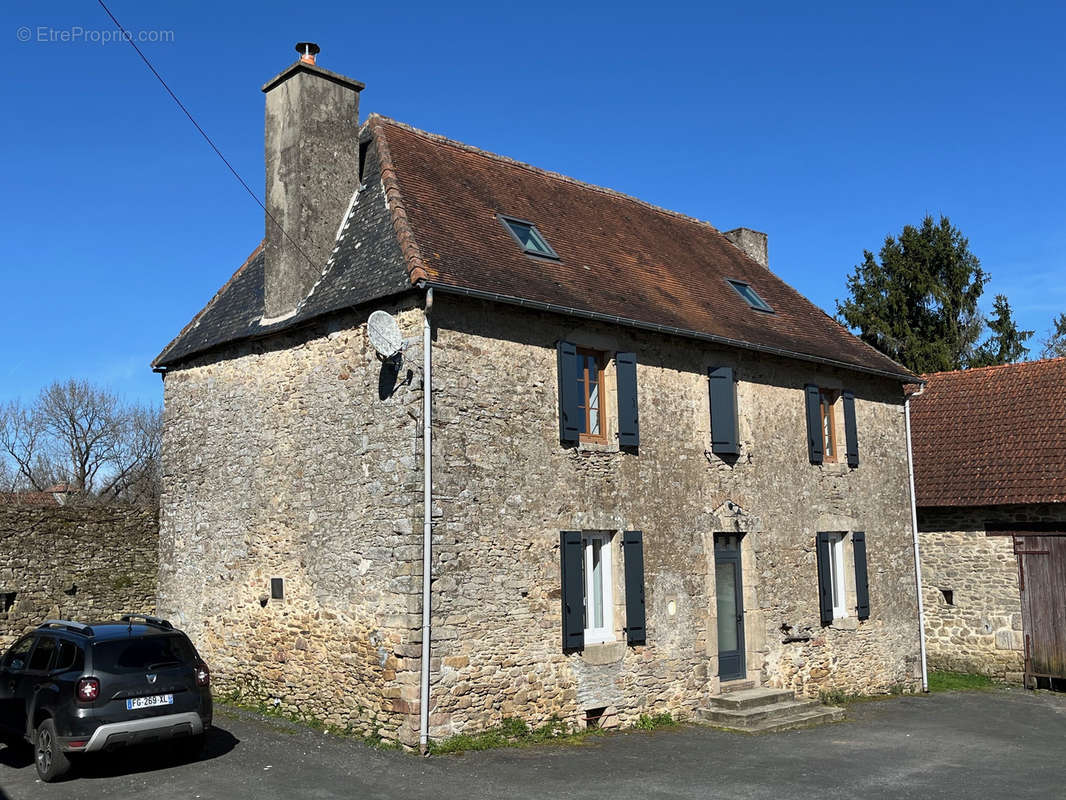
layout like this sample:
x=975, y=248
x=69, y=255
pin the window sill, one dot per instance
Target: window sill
x=601, y=653
x=845, y=624
x=598, y=447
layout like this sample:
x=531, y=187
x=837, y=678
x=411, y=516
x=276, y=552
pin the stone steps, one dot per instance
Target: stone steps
x=765, y=711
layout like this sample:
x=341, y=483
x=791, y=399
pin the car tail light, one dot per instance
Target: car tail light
x=88, y=689
x=203, y=674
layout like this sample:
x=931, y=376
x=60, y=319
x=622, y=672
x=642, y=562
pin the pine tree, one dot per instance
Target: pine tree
x=918, y=305
x=1006, y=344
x=1055, y=343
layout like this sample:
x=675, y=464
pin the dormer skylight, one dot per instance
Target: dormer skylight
x=528, y=237
x=750, y=295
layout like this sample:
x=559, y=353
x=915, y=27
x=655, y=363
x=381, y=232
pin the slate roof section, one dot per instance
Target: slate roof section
x=991, y=436
x=366, y=265
x=619, y=257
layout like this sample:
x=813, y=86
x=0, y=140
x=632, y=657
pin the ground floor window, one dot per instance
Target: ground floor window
x=836, y=575
x=599, y=577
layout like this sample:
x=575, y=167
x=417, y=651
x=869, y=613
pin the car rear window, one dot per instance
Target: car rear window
x=134, y=655
x=69, y=657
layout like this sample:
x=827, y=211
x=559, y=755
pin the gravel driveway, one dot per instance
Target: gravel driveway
x=1002, y=743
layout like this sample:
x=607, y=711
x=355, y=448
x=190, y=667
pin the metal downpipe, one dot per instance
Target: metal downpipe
x=427, y=518
x=917, y=558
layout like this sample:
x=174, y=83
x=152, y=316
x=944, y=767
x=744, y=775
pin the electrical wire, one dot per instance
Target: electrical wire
x=203, y=133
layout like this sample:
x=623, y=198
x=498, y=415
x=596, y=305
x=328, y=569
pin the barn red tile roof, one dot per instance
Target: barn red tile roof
x=27, y=499
x=991, y=436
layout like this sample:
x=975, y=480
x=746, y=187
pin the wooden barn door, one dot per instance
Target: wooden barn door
x=1042, y=580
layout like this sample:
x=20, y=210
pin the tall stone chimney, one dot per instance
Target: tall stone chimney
x=312, y=165
x=753, y=243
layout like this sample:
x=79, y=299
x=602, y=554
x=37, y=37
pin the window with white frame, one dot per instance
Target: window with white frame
x=836, y=573
x=599, y=579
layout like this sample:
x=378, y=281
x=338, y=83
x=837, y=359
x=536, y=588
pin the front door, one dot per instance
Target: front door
x=729, y=591
x=1042, y=580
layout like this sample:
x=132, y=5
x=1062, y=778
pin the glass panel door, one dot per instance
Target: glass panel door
x=729, y=594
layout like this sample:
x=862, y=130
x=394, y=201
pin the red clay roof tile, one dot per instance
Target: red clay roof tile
x=619, y=256
x=991, y=436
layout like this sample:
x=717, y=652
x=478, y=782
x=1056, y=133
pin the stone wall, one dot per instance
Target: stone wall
x=980, y=630
x=505, y=487
x=82, y=563
x=299, y=458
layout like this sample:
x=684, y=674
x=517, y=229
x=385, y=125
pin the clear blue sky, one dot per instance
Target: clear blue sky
x=827, y=126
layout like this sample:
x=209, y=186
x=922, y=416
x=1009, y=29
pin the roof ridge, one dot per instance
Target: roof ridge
x=416, y=266
x=196, y=319
x=381, y=118
x=990, y=367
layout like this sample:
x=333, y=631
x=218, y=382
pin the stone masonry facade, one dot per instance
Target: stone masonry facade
x=74, y=562
x=980, y=629
x=299, y=457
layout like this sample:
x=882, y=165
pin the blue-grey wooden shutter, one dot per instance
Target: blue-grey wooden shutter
x=569, y=402
x=628, y=413
x=862, y=580
x=825, y=579
x=572, y=574
x=723, y=390
x=633, y=549
x=851, y=432
x=815, y=443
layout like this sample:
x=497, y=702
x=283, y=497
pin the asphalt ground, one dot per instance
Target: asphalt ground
x=1005, y=743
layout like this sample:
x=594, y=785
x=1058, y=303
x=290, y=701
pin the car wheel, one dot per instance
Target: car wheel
x=52, y=763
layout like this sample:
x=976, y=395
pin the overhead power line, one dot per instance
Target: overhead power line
x=181, y=105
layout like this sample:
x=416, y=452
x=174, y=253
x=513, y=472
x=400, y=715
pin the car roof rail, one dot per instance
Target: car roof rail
x=77, y=627
x=157, y=622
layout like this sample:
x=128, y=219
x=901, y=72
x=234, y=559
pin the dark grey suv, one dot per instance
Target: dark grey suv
x=72, y=688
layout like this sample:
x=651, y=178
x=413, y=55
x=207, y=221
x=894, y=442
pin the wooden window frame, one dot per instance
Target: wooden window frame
x=827, y=400
x=601, y=362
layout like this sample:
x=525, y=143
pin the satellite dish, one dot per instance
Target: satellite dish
x=384, y=334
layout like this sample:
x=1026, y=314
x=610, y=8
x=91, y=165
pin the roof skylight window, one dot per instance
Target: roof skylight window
x=751, y=296
x=528, y=237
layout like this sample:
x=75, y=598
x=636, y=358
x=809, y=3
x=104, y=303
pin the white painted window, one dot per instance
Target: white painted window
x=599, y=579
x=836, y=572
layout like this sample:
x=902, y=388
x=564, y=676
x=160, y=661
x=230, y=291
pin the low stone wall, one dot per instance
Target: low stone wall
x=980, y=629
x=74, y=562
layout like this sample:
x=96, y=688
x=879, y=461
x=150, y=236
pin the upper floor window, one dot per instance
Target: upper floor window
x=528, y=237
x=824, y=441
x=591, y=419
x=583, y=394
x=827, y=399
x=750, y=295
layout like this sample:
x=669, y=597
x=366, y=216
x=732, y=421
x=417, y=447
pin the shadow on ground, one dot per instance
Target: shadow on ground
x=128, y=761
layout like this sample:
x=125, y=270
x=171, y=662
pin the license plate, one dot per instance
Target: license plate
x=147, y=702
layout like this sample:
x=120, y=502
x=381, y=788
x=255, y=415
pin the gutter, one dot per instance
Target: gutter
x=427, y=519
x=917, y=558
x=537, y=305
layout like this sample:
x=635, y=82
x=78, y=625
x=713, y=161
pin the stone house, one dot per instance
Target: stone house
x=658, y=472
x=990, y=480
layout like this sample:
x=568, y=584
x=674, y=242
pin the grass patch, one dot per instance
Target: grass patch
x=514, y=732
x=958, y=681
